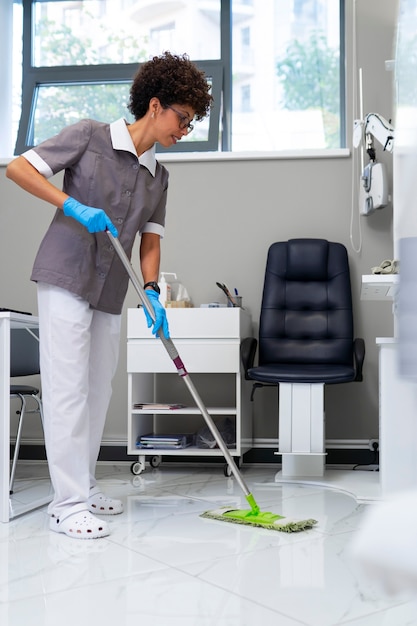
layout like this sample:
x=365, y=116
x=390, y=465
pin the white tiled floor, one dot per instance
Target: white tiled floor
x=164, y=565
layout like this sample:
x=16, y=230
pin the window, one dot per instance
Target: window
x=245, y=98
x=288, y=58
x=276, y=68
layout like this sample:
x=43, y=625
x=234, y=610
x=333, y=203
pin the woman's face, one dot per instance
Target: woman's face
x=174, y=122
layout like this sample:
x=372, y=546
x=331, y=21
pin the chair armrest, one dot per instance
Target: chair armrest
x=247, y=353
x=358, y=357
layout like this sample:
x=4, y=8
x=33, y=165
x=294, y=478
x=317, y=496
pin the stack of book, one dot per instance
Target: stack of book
x=164, y=442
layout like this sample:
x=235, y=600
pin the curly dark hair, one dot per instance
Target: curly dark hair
x=172, y=79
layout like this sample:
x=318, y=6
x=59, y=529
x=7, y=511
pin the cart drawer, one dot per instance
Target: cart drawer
x=198, y=356
x=222, y=323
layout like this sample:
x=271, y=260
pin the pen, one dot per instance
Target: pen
x=236, y=292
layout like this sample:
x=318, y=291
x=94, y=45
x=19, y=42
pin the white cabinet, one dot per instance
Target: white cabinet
x=208, y=342
x=397, y=401
x=397, y=423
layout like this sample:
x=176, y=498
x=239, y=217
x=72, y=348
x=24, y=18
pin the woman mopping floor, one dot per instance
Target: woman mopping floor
x=112, y=181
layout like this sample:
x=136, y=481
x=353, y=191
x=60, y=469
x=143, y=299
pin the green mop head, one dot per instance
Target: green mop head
x=254, y=517
x=270, y=521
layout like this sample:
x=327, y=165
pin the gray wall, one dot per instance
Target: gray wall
x=222, y=216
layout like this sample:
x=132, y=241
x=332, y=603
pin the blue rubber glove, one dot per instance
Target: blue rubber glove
x=95, y=220
x=160, y=314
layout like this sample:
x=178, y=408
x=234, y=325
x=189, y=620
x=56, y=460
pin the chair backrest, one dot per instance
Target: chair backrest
x=24, y=353
x=306, y=314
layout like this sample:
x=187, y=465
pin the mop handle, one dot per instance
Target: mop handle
x=220, y=442
x=173, y=353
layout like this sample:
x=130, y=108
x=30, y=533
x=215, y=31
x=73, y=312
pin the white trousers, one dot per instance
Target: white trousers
x=79, y=349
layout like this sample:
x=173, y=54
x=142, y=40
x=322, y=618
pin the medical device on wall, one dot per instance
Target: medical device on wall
x=374, y=174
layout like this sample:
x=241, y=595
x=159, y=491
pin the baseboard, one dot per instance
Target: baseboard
x=343, y=452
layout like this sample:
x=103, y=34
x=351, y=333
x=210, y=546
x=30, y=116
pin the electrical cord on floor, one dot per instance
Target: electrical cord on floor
x=373, y=466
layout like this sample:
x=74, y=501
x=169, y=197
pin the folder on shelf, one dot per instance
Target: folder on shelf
x=167, y=442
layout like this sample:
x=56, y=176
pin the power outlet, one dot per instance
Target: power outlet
x=373, y=444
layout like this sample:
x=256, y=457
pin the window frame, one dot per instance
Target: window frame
x=220, y=71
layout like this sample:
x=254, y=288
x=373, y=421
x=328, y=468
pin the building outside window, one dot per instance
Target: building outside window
x=278, y=79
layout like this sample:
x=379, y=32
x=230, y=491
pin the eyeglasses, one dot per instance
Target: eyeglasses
x=184, y=123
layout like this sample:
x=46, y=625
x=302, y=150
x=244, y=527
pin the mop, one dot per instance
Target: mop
x=253, y=516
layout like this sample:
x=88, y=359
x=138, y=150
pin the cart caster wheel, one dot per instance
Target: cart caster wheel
x=136, y=468
x=155, y=461
x=227, y=471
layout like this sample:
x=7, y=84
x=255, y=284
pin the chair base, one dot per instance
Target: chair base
x=298, y=465
x=301, y=429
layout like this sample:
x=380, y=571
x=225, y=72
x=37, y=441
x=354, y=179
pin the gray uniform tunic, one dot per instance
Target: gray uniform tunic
x=102, y=170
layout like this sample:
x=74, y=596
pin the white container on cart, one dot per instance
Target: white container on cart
x=165, y=287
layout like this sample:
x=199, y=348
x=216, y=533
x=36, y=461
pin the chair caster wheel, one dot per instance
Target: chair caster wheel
x=155, y=461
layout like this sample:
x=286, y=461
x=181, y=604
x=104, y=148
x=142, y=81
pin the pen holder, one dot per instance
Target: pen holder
x=237, y=300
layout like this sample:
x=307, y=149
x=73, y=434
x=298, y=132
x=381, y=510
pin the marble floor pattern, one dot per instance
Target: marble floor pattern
x=165, y=565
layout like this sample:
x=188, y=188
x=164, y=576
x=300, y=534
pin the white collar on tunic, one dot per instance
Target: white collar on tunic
x=121, y=140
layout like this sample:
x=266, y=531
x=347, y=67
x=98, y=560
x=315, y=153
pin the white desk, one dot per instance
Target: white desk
x=41, y=493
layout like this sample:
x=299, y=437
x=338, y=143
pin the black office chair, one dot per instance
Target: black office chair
x=24, y=361
x=305, y=342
